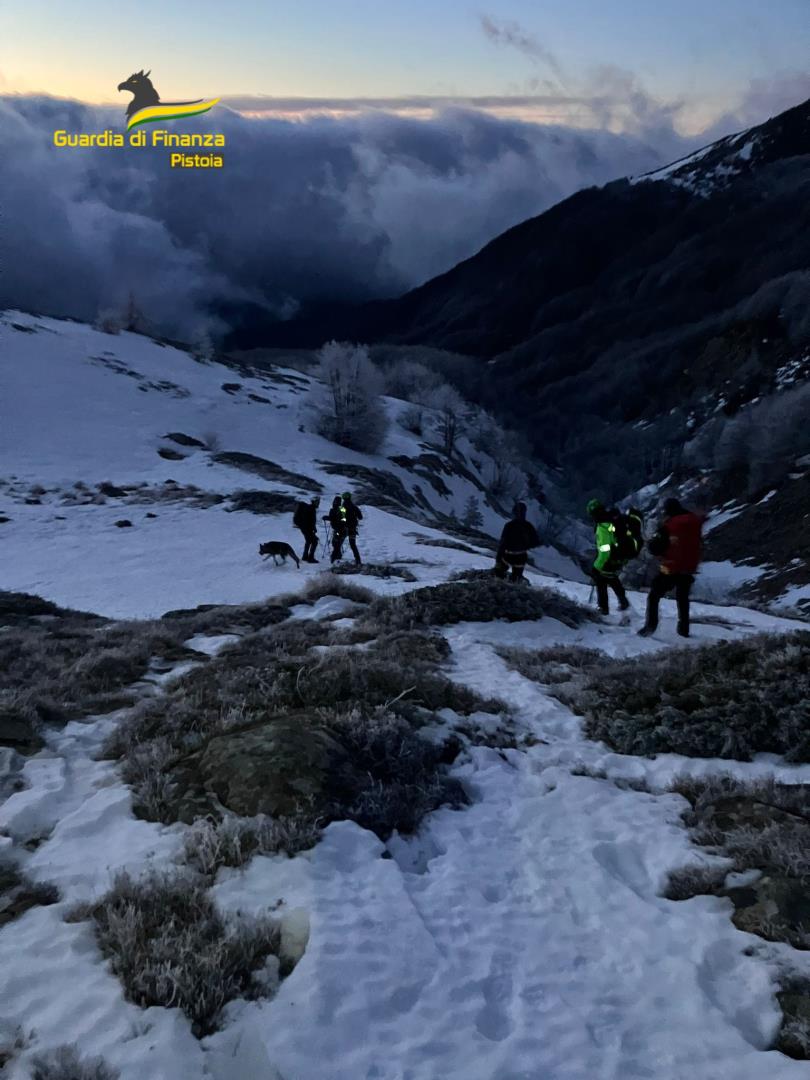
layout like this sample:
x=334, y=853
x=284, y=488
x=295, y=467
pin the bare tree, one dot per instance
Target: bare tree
x=449, y=407
x=352, y=414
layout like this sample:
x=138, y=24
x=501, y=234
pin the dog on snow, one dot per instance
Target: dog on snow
x=279, y=550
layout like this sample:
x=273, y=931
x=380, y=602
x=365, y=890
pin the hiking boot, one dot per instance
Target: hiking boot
x=646, y=631
x=624, y=605
x=604, y=611
x=682, y=632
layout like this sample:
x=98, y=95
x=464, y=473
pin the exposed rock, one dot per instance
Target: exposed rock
x=268, y=470
x=111, y=491
x=273, y=768
x=18, y=895
x=10, y=772
x=263, y=502
x=794, y=1035
x=775, y=907
x=170, y=455
x=18, y=731
x=184, y=440
x=124, y=523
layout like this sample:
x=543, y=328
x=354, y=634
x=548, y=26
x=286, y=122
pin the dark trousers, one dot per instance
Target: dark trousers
x=310, y=545
x=603, y=582
x=662, y=584
x=337, y=546
x=512, y=563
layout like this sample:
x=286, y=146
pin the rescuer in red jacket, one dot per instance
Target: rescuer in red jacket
x=677, y=544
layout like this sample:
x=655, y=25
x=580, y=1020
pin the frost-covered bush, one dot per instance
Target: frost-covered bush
x=352, y=413
x=413, y=419
x=260, y=682
x=332, y=584
x=481, y=600
x=402, y=773
x=234, y=841
x=64, y=1063
x=793, y=1038
x=693, y=881
x=169, y=946
x=557, y=664
x=732, y=699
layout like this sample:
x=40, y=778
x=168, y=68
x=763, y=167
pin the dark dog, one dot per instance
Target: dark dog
x=279, y=550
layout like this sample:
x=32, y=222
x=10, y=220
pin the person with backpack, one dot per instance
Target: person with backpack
x=618, y=539
x=345, y=518
x=517, y=538
x=352, y=516
x=677, y=544
x=338, y=526
x=305, y=518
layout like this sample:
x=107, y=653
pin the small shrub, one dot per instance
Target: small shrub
x=473, y=601
x=732, y=700
x=402, y=777
x=330, y=584
x=169, y=946
x=413, y=419
x=64, y=1063
x=693, y=881
x=793, y=1038
x=234, y=841
x=558, y=664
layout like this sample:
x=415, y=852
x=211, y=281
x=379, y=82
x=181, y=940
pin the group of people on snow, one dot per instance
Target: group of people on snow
x=619, y=539
x=343, y=520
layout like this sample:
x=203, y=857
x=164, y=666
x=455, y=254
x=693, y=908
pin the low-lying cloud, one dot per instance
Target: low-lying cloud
x=348, y=208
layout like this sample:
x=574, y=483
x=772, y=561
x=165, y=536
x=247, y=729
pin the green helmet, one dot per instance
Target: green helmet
x=593, y=505
x=346, y=495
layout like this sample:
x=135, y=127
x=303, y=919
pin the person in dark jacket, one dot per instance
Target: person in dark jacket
x=345, y=518
x=607, y=564
x=517, y=538
x=352, y=516
x=677, y=544
x=338, y=526
x=305, y=518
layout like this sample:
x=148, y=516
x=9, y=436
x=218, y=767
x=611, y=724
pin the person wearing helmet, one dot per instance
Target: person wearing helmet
x=517, y=538
x=607, y=564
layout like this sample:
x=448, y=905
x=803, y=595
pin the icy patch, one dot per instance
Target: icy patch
x=323, y=608
x=211, y=644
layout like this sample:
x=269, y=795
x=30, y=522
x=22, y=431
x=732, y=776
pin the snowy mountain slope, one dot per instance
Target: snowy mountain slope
x=715, y=166
x=88, y=408
x=523, y=936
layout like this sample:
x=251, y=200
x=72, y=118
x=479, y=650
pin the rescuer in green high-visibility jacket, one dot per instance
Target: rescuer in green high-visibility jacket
x=607, y=564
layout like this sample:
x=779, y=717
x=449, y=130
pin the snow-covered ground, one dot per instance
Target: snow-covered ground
x=521, y=938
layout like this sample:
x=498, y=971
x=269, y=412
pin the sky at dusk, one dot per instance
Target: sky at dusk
x=370, y=145
x=546, y=61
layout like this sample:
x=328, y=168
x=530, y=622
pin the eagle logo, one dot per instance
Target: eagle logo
x=146, y=106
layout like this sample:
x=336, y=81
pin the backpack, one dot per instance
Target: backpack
x=629, y=534
x=298, y=515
